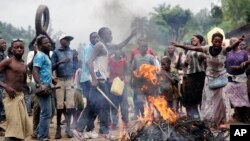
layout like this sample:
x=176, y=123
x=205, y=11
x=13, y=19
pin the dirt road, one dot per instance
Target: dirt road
x=64, y=138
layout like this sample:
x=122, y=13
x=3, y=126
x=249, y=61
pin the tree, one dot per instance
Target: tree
x=172, y=20
x=236, y=11
x=217, y=15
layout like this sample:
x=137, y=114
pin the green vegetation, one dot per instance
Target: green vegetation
x=166, y=23
x=172, y=23
x=9, y=32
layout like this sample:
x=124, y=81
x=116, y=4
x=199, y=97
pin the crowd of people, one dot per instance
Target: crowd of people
x=209, y=81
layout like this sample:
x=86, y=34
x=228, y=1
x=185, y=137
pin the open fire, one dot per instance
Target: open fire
x=159, y=122
x=161, y=105
x=155, y=105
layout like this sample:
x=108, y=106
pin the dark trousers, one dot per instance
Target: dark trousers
x=101, y=105
x=96, y=105
x=89, y=114
x=87, y=118
x=122, y=102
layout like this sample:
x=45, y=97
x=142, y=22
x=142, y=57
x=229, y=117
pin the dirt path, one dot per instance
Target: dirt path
x=117, y=132
x=64, y=138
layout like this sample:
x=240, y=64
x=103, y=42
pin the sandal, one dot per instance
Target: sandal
x=78, y=135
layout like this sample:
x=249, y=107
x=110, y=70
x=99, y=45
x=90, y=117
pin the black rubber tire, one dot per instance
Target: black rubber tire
x=42, y=11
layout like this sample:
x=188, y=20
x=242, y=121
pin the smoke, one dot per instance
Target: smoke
x=118, y=16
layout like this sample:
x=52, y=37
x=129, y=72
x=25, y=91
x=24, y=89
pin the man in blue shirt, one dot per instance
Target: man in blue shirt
x=64, y=62
x=42, y=73
x=88, y=116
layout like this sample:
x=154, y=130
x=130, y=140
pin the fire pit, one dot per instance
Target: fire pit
x=182, y=130
x=160, y=123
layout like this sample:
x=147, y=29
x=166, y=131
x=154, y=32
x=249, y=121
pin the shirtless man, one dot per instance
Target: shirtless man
x=18, y=126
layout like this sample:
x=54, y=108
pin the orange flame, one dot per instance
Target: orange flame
x=148, y=72
x=161, y=105
x=148, y=112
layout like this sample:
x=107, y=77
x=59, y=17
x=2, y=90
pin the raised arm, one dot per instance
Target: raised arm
x=179, y=63
x=188, y=47
x=125, y=42
x=235, y=44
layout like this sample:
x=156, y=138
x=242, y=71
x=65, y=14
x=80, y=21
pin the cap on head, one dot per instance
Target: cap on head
x=66, y=36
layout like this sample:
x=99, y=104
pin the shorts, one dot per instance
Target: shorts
x=65, y=95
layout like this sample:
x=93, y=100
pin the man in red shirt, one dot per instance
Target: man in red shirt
x=141, y=41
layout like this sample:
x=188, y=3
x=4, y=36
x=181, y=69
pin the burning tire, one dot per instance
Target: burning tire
x=42, y=19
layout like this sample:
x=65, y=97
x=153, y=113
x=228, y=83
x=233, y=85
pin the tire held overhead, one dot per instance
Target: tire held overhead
x=42, y=19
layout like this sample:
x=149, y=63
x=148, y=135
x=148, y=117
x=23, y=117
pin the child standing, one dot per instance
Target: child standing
x=169, y=82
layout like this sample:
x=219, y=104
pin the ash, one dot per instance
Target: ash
x=182, y=130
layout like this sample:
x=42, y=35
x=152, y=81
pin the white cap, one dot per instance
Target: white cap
x=63, y=36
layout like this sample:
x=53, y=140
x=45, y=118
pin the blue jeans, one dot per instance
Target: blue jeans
x=45, y=115
x=89, y=114
x=28, y=102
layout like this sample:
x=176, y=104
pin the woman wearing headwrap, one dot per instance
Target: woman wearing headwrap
x=195, y=78
x=215, y=103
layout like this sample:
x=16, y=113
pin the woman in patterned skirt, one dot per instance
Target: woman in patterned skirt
x=215, y=104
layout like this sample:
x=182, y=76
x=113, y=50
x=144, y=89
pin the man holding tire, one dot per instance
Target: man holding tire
x=64, y=62
x=42, y=74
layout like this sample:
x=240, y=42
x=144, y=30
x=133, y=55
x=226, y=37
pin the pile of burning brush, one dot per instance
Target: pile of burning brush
x=160, y=123
x=182, y=130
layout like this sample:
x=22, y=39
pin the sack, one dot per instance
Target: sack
x=217, y=82
x=117, y=86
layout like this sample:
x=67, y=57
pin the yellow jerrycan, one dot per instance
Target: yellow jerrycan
x=117, y=86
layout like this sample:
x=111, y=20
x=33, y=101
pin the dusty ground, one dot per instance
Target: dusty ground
x=64, y=138
x=117, y=133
